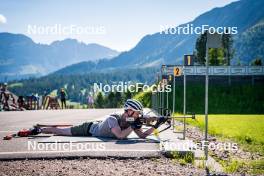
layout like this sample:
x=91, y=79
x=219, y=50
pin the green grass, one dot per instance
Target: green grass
x=234, y=165
x=15, y=85
x=246, y=130
x=75, y=105
x=183, y=158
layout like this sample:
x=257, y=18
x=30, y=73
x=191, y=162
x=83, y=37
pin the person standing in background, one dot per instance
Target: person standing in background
x=90, y=101
x=63, y=98
x=7, y=99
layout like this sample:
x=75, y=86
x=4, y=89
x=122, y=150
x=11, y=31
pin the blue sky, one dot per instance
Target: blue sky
x=124, y=22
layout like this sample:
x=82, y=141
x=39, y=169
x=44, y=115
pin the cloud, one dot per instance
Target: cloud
x=2, y=19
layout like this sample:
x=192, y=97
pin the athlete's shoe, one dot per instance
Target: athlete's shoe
x=35, y=130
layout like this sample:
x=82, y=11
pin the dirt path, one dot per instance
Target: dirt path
x=111, y=167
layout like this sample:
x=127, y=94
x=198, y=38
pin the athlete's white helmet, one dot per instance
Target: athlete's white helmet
x=133, y=105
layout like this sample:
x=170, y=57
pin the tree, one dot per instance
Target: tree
x=227, y=43
x=213, y=56
x=127, y=95
x=200, y=47
x=238, y=62
x=256, y=62
x=217, y=56
x=99, y=102
x=110, y=101
x=118, y=99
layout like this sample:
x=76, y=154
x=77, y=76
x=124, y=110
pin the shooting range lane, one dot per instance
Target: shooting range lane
x=19, y=147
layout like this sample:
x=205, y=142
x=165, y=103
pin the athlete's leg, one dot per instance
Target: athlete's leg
x=57, y=131
x=64, y=102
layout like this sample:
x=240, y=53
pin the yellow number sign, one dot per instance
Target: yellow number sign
x=189, y=60
x=177, y=71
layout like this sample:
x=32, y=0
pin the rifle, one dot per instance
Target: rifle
x=150, y=120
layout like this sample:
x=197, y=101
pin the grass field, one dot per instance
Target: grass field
x=246, y=130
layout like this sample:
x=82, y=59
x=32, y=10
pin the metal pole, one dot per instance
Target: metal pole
x=173, y=102
x=184, y=102
x=152, y=100
x=159, y=96
x=155, y=99
x=167, y=104
x=162, y=102
x=159, y=102
x=206, y=103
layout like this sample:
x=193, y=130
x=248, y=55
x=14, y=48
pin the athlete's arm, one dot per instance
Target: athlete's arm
x=121, y=134
x=142, y=134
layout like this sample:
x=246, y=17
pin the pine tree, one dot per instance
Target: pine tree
x=118, y=99
x=256, y=62
x=99, y=102
x=110, y=102
x=227, y=43
x=200, y=47
x=217, y=56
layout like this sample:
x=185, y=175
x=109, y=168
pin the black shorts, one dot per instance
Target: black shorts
x=82, y=130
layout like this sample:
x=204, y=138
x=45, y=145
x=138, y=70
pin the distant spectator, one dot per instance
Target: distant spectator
x=21, y=103
x=5, y=98
x=35, y=99
x=32, y=102
x=90, y=101
x=63, y=96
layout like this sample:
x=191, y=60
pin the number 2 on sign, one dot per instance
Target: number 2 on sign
x=177, y=71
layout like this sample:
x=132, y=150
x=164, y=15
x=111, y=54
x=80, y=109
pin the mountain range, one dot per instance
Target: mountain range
x=152, y=50
x=21, y=57
x=160, y=48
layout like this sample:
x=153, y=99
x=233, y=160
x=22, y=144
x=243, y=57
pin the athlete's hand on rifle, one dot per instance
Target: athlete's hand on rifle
x=160, y=121
x=137, y=124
